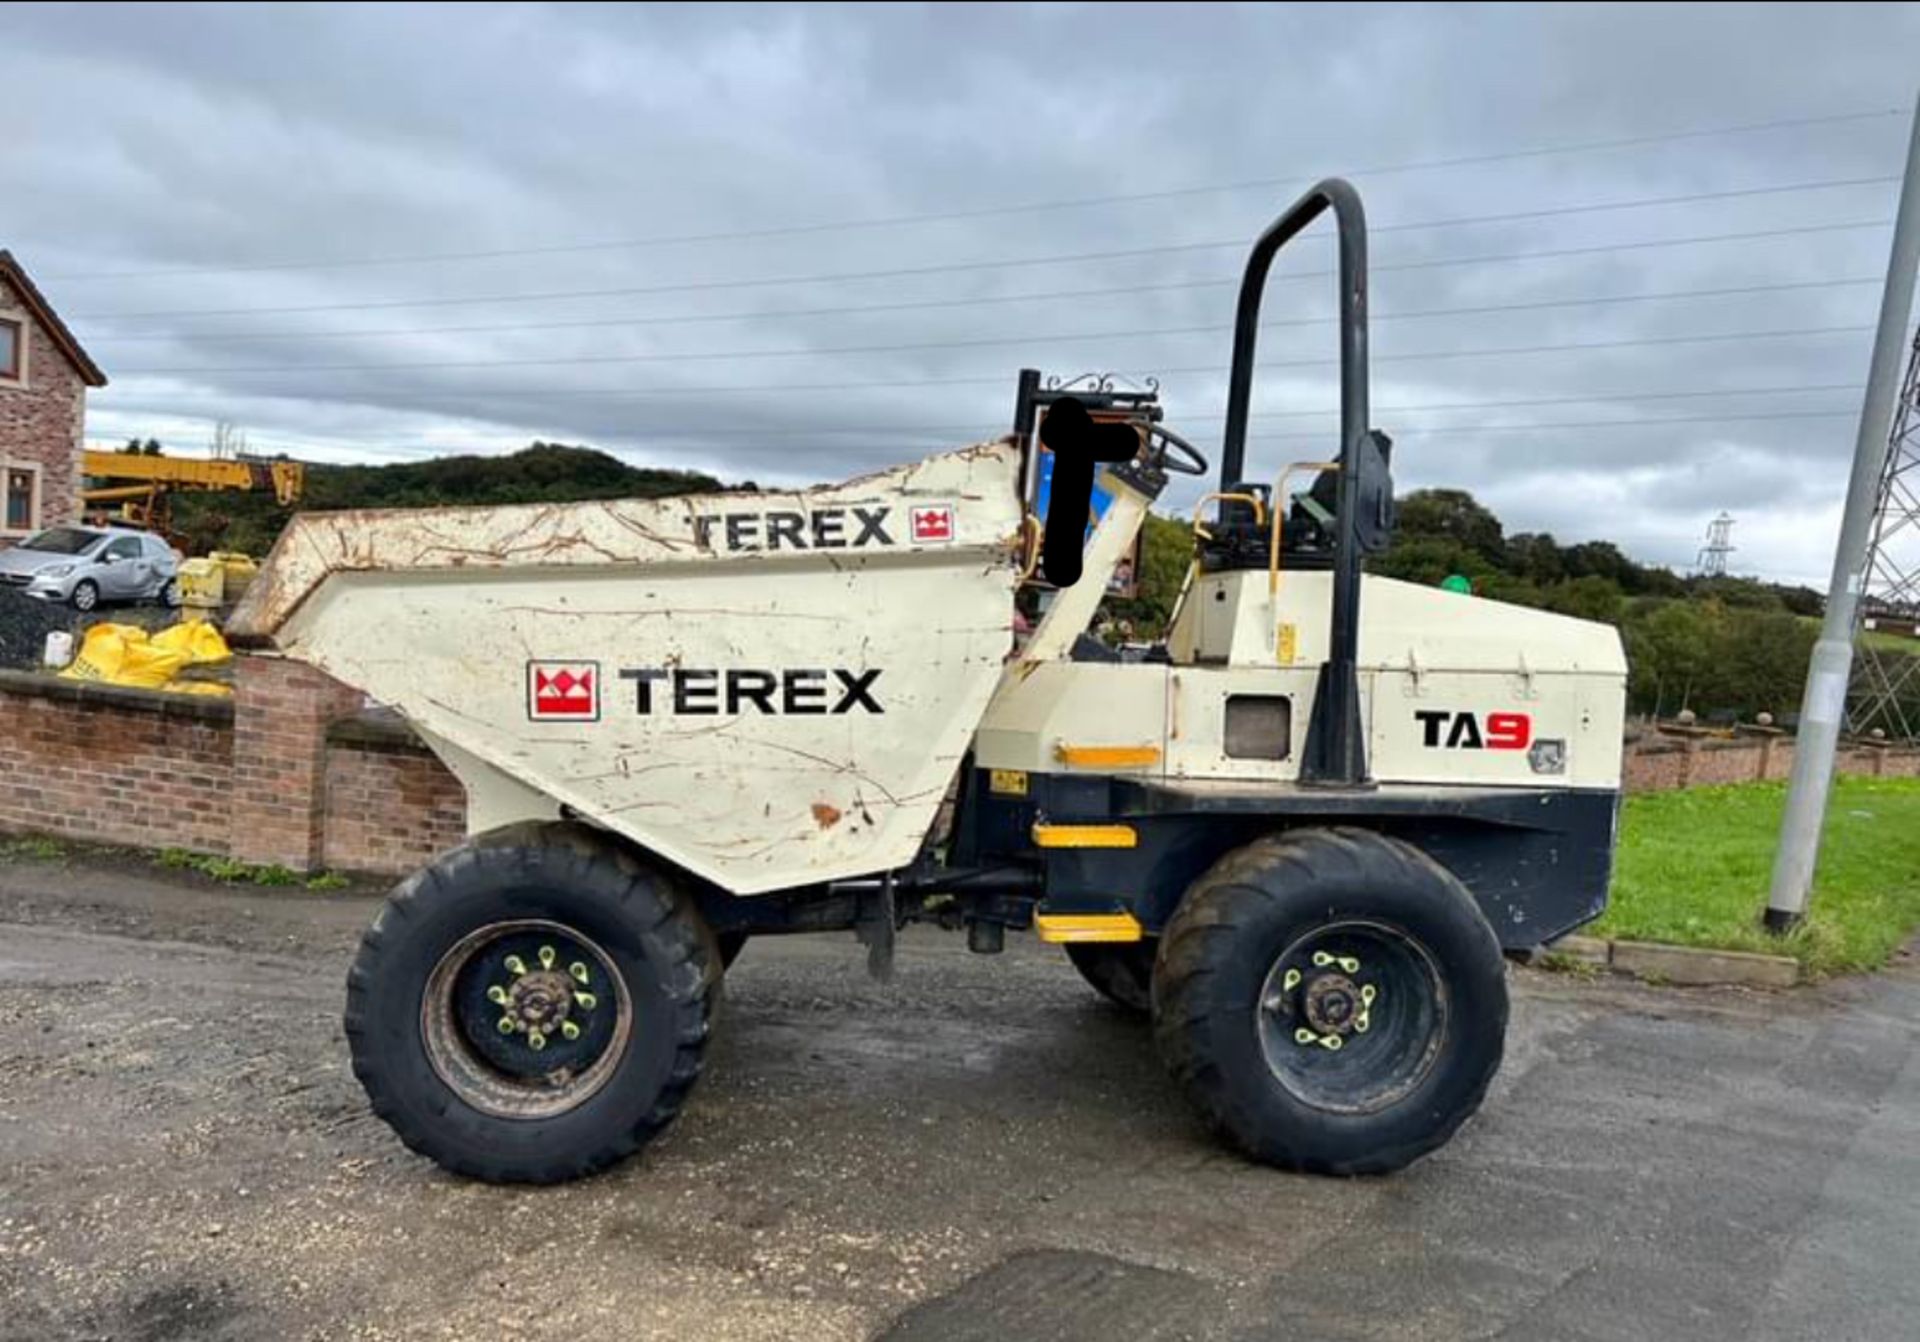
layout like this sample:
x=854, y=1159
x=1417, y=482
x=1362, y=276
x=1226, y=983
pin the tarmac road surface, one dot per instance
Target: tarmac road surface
x=981, y=1150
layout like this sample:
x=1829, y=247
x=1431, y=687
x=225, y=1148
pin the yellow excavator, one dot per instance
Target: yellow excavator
x=136, y=490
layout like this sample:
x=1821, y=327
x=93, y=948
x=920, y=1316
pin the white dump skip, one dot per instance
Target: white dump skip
x=769, y=689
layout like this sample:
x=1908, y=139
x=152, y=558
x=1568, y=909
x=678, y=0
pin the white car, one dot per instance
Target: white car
x=88, y=565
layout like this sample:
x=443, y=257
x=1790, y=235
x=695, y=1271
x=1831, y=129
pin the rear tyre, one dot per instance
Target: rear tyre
x=170, y=594
x=86, y=594
x=532, y=1007
x=1121, y=972
x=1333, y=1000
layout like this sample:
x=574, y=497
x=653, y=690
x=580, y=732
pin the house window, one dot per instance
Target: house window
x=22, y=503
x=12, y=344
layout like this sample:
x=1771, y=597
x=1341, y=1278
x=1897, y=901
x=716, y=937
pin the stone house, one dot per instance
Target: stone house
x=44, y=376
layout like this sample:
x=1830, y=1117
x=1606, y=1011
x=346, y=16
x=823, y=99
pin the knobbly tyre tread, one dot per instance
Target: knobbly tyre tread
x=1112, y=970
x=1252, y=902
x=679, y=948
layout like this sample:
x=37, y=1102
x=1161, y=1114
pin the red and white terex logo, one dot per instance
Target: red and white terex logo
x=931, y=523
x=563, y=691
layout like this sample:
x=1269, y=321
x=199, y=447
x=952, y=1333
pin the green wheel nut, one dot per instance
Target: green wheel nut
x=1304, y=1036
x=506, y=1025
x=578, y=970
x=1360, y=1023
x=1291, y=981
x=1331, y=1042
x=1348, y=963
x=587, y=1001
x=497, y=995
x=535, y=1040
x=547, y=956
x=515, y=965
x=1367, y=994
x=1321, y=959
x=569, y=1030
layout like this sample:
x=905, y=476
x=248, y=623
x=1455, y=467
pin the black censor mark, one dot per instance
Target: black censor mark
x=1077, y=442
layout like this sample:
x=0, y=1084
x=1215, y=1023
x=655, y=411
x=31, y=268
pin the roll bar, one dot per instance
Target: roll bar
x=1335, y=748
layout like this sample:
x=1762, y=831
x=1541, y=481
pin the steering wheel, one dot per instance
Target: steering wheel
x=1191, y=460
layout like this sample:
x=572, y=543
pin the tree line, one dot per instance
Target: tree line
x=1724, y=647
x=1728, y=648
x=539, y=473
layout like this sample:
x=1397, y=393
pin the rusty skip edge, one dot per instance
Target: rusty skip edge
x=625, y=532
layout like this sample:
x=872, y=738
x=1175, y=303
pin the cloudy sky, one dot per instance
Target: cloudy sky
x=1626, y=258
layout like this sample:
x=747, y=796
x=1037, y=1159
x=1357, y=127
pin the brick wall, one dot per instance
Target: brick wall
x=391, y=804
x=288, y=771
x=282, y=710
x=116, y=765
x=41, y=422
x=1661, y=763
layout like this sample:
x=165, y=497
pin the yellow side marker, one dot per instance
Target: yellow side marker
x=1106, y=757
x=1085, y=836
x=1060, y=927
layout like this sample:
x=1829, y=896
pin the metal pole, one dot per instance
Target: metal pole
x=1825, y=704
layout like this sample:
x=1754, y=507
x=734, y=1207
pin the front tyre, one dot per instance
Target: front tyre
x=86, y=594
x=532, y=1007
x=1333, y=1000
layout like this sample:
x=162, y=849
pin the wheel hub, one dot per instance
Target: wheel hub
x=539, y=1003
x=1331, y=1004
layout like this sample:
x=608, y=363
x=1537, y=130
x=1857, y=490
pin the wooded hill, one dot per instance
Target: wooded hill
x=541, y=473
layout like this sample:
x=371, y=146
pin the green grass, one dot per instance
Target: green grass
x=33, y=848
x=1694, y=865
x=232, y=870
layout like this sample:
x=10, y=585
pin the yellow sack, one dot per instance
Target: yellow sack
x=121, y=654
x=196, y=687
x=198, y=639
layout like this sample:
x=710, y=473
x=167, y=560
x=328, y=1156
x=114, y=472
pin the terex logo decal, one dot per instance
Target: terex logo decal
x=931, y=523
x=821, y=529
x=711, y=691
x=563, y=691
x=1462, y=731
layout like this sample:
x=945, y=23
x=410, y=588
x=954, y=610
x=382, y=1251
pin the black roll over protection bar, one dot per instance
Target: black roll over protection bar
x=1335, y=751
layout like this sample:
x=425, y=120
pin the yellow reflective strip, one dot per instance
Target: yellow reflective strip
x=1084, y=836
x=1062, y=927
x=1106, y=757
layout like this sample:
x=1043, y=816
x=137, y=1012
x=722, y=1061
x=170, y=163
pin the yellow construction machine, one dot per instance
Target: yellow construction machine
x=124, y=487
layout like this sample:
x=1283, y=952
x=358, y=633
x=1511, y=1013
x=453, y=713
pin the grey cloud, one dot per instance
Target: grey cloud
x=240, y=136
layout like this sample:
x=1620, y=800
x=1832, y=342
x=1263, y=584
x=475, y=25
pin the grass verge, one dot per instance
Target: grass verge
x=1694, y=865
x=230, y=871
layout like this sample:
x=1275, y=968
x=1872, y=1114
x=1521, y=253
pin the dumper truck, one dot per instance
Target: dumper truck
x=1298, y=834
